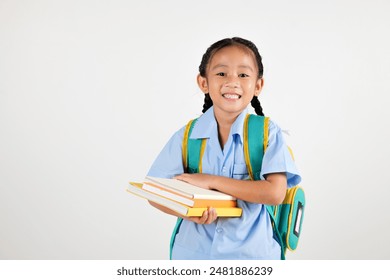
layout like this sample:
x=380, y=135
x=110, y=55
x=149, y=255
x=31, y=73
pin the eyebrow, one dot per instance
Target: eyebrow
x=239, y=66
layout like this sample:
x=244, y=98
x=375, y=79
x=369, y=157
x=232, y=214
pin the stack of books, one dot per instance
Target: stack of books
x=184, y=198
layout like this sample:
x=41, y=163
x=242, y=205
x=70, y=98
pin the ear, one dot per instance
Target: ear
x=202, y=83
x=259, y=86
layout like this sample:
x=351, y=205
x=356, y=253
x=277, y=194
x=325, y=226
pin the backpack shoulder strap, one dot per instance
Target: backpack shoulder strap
x=173, y=236
x=255, y=143
x=192, y=153
x=192, y=150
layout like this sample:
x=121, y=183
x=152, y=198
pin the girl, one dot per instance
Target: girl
x=231, y=77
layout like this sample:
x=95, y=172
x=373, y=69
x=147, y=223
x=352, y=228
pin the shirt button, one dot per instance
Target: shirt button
x=224, y=169
x=219, y=230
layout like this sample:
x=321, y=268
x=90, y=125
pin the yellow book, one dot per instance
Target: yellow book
x=136, y=188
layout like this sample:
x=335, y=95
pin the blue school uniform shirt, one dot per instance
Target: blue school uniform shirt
x=248, y=237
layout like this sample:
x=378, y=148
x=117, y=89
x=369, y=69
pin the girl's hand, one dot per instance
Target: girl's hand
x=208, y=217
x=202, y=181
x=196, y=179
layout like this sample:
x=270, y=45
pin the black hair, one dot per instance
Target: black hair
x=235, y=41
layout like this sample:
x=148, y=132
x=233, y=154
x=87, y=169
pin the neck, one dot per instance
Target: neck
x=224, y=121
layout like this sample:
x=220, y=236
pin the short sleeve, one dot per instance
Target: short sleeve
x=277, y=157
x=169, y=162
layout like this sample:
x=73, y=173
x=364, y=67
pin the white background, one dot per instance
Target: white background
x=90, y=91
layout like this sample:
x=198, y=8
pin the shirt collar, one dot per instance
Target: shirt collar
x=207, y=124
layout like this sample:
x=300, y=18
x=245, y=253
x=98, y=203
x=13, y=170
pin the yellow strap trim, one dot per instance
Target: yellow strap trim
x=266, y=126
x=246, y=148
x=291, y=152
x=202, y=149
x=185, y=145
x=276, y=210
x=290, y=195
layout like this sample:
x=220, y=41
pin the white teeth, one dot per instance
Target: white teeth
x=231, y=96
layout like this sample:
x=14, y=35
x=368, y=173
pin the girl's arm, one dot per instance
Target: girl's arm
x=270, y=191
x=208, y=216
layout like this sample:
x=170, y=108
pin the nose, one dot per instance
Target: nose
x=232, y=82
x=232, y=85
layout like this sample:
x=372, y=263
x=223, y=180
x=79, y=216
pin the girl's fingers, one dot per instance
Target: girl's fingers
x=208, y=217
x=204, y=217
x=211, y=216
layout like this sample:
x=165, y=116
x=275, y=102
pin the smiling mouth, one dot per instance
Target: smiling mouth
x=231, y=96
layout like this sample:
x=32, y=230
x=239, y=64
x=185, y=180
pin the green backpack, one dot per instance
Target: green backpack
x=287, y=217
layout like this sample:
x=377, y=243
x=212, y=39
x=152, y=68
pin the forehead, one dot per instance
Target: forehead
x=233, y=55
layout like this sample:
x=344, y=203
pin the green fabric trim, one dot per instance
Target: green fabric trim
x=193, y=152
x=175, y=231
x=255, y=143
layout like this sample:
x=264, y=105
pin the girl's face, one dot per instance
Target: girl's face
x=231, y=80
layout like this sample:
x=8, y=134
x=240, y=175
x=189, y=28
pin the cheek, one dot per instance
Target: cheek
x=214, y=84
x=250, y=85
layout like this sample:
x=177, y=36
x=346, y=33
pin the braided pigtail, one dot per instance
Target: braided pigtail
x=207, y=102
x=256, y=105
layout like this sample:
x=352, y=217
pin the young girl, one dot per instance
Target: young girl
x=231, y=77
